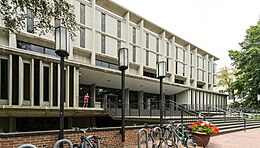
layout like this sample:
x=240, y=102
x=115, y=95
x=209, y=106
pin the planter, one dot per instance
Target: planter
x=204, y=137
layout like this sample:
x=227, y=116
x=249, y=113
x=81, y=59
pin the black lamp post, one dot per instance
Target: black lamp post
x=62, y=49
x=161, y=73
x=123, y=65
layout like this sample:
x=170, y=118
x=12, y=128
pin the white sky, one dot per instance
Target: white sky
x=216, y=26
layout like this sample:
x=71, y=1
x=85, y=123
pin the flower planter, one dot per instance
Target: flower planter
x=204, y=137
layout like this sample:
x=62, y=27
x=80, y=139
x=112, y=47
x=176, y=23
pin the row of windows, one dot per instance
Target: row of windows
x=27, y=72
x=106, y=64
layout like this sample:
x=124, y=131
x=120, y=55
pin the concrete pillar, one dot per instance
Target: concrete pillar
x=92, y=95
x=41, y=83
x=51, y=84
x=173, y=55
x=196, y=67
x=21, y=78
x=187, y=66
x=32, y=83
x=69, y=122
x=206, y=86
x=58, y=81
x=141, y=99
x=12, y=124
x=93, y=22
x=10, y=79
x=76, y=87
x=67, y=77
x=12, y=40
x=142, y=60
x=126, y=17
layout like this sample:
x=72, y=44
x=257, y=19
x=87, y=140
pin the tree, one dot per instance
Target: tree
x=14, y=13
x=226, y=76
x=247, y=62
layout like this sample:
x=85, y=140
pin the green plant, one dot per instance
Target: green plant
x=204, y=127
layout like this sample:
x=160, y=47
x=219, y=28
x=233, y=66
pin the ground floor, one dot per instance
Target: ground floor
x=29, y=83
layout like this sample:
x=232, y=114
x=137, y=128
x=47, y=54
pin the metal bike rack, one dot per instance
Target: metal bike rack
x=27, y=146
x=146, y=137
x=63, y=141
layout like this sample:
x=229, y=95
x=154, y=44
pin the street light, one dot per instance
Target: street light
x=161, y=73
x=123, y=65
x=62, y=49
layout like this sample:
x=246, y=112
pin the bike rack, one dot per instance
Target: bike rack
x=146, y=137
x=63, y=141
x=27, y=146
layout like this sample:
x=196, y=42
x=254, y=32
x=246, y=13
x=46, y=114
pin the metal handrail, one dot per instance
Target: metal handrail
x=63, y=141
x=27, y=146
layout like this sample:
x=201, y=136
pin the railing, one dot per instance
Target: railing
x=172, y=111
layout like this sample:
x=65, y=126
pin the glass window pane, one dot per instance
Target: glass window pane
x=82, y=13
x=82, y=37
x=50, y=52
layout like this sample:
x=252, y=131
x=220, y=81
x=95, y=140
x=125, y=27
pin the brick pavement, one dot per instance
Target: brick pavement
x=241, y=139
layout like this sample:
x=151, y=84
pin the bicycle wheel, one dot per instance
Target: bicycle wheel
x=143, y=139
x=194, y=142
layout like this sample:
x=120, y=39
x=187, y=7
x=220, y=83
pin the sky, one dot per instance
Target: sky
x=215, y=26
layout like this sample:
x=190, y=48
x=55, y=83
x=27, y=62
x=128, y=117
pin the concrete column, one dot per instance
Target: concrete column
x=69, y=122
x=141, y=99
x=76, y=87
x=51, y=84
x=41, y=83
x=12, y=124
x=127, y=100
x=142, y=60
x=92, y=95
x=58, y=90
x=193, y=99
x=196, y=67
x=187, y=66
x=21, y=78
x=206, y=86
x=173, y=55
x=32, y=83
x=10, y=79
x=93, y=22
x=67, y=77
x=126, y=17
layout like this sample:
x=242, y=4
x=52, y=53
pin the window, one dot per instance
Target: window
x=177, y=53
x=147, y=40
x=184, y=55
x=15, y=80
x=30, y=21
x=71, y=86
x=26, y=81
x=168, y=49
x=3, y=79
x=46, y=83
x=147, y=58
x=157, y=44
x=176, y=72
x=149, y=74
x=103, y=44
x=103, y=22
x=134, y=35
x=55, y=84
x=191, y=59
x=134, y=54
x=167, y=64
x=157, y=58
x=119, y=29
x=82, y=13
x=179, y=81
x=36, y=82
x=35, y=48
x=82, y=37
x=106, y=64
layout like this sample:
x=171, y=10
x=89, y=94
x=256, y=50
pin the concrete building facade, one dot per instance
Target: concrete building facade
x=30, y=69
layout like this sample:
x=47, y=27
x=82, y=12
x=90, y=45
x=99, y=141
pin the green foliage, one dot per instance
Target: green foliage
x=45, y=12
x=247, y=62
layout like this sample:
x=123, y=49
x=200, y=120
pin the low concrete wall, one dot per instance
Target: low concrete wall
x=110, y=137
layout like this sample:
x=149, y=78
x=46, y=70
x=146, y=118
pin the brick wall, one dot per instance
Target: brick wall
x=110, y=138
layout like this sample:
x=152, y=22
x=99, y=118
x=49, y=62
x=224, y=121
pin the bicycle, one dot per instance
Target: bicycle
x=184, y=139
x=156, y=137
x=90, y=141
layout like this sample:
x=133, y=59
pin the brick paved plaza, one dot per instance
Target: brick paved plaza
x=241, y=139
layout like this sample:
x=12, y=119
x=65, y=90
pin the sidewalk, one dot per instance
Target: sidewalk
x=241, y=139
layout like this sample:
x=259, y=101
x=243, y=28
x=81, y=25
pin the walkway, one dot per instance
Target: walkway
x=241, y=139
